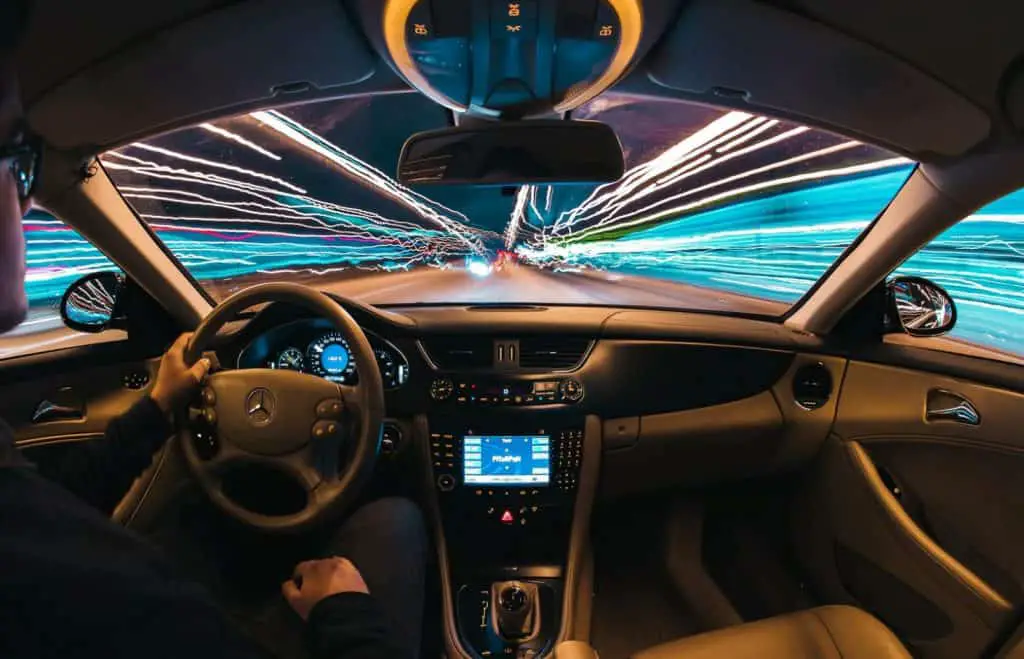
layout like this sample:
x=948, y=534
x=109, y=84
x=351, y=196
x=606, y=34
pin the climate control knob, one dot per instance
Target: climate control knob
x=441, y=389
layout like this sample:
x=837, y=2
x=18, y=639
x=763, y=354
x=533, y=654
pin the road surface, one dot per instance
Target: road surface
x=525, y=284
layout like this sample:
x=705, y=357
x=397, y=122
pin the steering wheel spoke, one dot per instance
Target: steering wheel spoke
x=351, y=398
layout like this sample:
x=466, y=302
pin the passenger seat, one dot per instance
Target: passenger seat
x=827, y=632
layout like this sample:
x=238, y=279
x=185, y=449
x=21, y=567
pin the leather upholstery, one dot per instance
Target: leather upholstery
x=575, y=650
x=828, y=632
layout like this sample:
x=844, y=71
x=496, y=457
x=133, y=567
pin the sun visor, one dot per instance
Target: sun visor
x=230, y=58
x=743, y=52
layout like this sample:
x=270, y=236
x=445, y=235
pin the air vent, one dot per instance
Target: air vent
x=453, y=353
x=812, y=386
x=506, y=307
x=555, y=353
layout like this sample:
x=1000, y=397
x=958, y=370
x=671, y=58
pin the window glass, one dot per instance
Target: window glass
x=718, y=210
x=980, y=263
x=56, y=256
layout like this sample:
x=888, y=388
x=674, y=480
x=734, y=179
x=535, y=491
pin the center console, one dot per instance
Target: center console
x=509, y=487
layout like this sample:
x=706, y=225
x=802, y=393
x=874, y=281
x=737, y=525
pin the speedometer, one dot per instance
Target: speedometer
x=330, y=357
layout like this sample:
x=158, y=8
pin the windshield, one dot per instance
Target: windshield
x=718, y=210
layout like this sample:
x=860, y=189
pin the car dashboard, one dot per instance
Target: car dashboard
x=511, y=421
x=682, y=398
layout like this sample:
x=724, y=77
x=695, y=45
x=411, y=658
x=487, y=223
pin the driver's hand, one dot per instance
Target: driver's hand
x=175, y=380
x=316, y=580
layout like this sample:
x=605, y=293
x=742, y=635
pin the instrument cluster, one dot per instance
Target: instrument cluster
x=317, y=350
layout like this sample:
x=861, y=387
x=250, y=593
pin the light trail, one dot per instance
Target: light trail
x=281, y=208
x=217, y=165
x=235, y=137
x=745, y=190
x=608, y=193
x=675, y=178
x=524, y=195
x=373, y=177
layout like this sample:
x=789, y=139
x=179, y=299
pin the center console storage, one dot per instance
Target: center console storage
x=506, y=487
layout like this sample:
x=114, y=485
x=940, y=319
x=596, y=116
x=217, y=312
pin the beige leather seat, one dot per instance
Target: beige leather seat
x=828, y=632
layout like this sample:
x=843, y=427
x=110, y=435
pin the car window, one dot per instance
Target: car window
x=56, y=256
x=980, y=263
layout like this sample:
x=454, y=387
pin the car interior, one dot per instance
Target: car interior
x=824, y=466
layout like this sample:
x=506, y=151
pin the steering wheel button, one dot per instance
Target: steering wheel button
x=330, y=408
x=210, y=416
x=209, y=398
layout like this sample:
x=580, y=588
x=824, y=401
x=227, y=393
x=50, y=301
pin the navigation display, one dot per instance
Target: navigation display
x=506, y=459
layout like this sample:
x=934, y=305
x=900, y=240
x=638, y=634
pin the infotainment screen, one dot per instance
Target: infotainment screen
x=506, y=459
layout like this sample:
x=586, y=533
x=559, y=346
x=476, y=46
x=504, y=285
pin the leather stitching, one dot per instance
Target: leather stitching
x=821, y=621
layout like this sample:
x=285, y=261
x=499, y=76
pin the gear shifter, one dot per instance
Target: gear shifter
x=515, y=605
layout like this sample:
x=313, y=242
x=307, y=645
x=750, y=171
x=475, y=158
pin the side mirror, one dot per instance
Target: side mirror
x=91, y=303
x=919, y=307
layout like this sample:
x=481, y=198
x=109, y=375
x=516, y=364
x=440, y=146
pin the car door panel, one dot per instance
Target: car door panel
x=919, y=520
x=99, y=382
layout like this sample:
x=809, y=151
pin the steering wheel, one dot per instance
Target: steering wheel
x=322, y=434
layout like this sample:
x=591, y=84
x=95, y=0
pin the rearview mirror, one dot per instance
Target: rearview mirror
x=919, y=307
x=513, y=153
x=90, y=304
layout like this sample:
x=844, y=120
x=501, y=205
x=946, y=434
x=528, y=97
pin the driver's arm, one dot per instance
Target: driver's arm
x=343, y=619
x=101, y=471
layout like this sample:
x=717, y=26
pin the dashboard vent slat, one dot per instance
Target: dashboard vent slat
x=555, y=353
x=453, y=353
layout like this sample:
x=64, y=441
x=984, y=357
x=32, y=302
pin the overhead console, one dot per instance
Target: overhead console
x=511, y=57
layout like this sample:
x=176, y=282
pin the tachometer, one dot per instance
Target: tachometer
x=291, y=359
x=330, y=357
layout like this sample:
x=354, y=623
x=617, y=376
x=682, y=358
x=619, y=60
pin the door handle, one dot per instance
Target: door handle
x=61, y=405
x=945, y=405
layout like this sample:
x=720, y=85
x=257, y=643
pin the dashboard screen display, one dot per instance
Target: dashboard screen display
x=334, y=358
x=506, y=459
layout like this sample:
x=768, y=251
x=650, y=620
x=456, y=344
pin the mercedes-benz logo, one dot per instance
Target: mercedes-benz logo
x=260, y=405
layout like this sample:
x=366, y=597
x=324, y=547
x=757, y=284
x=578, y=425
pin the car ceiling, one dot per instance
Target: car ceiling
x=968, y=47
x=89, y=31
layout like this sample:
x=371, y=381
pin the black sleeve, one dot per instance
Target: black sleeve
x=350, y=626
x=102, y=470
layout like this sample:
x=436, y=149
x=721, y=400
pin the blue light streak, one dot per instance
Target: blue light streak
x=980, y=262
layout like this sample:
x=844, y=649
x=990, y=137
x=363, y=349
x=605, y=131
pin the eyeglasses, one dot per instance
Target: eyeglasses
x=24, y=153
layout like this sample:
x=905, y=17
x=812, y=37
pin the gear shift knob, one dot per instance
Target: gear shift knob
x=513, y=598
x=515, y=606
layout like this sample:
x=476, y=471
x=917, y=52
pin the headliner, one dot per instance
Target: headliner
x=966, y=46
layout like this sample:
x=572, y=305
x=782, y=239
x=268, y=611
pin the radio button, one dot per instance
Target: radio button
x=446, y=482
